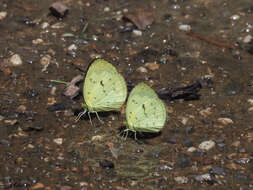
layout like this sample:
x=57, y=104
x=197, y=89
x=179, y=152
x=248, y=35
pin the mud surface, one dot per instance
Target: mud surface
x=206, y=143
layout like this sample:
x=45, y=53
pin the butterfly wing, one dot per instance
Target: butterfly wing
x=145, y=112
x=104, y=88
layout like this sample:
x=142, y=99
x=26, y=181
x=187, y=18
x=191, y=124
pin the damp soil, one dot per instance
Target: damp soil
x=207, y=142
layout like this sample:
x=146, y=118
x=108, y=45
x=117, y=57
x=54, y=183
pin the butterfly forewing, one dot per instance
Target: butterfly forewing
x=104, y=88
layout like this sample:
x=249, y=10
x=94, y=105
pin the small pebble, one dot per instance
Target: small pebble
x=247, y=39
x=152, y=66
x=163, y=60
x=44, y=25
x=250, y=109
x=95, y=37
x=242, y=161
x=175, y=6
x=106, y=164
x=235, y=17
x=11, y=122
x=225, y=121
x=53, y=90
x=191, y=149
x=5, y=142
x=83, y=183
x=15, y=60
x=97, y=138
x=21, y=109
x=250, y=101
x=181, y=179
x=207, y=145
x=72, y=47
x=206, y=112
x=204, y=177
x=165, y=167
x=137, y=33
x=250, y=136
x=58, y=25
x=184, y=27
x=56, y=107
x=106, y=9
x=1, y=118
x=58, y=141
x=217, y=171
x=142, y=70
x=3, y=14
x=184, y=120
x=37, y=186
x=37, y=41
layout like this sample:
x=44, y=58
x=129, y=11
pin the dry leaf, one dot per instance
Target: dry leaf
x=140, y=18
x=72, y=90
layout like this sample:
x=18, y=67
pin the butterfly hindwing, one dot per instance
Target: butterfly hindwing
x=145, y=112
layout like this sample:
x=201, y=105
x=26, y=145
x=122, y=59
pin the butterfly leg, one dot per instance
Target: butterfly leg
x=90, y=118
x=99, y=118
x=135, y=138
x=80, y=115
x=126, y=134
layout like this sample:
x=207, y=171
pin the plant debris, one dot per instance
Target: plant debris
x=71, y=89
x=141, y=19
x=59, y=9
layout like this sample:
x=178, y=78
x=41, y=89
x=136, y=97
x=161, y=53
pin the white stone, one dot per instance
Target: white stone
x=58, y=141
x=44, y=25
x=97, y=138
x=250, y=101
x=72, y=47
x=16, y=60
x=181, y=179
x=142, y=70
x=37, y=41
x=247, y=39
x=225, y=120
x=3, y=14
x=235, y=17
x=191, y=149
x=106, y=9
x=137, y=32
x=184, y=27
x=207, y=145
x=204, y=177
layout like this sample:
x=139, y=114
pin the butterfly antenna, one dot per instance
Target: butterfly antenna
x=90, y=118
x=99, y=118
x=80, y=115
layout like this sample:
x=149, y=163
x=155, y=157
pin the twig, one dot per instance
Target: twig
x=211, y=40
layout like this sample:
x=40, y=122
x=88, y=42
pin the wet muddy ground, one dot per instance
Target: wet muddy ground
x=207, y=143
